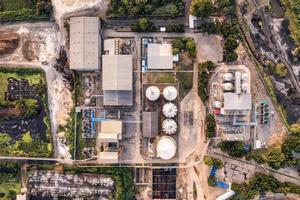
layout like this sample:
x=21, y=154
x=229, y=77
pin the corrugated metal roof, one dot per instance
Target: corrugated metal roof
x=117, y=98
x=150, y=124
x=160, y=56
x=234, y=101
x=117, y=72
x=84, y=43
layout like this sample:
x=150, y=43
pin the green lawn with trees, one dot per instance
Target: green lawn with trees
x=184, y=44
x=25, y=9
x=206, y=8
x=10, y=183
x=169, y=8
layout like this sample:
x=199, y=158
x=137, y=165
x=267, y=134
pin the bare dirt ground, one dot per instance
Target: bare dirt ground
x=275, y=131
x=8, y=43
x=209, y=48
x=38, y=43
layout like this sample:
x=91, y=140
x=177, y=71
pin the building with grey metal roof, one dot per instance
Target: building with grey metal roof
x=117, y=80
x=84, y=43
x=159, y=56
x=150, y=124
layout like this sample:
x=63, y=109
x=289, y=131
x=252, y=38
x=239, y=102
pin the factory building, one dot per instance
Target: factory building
x=150, y=124
x=117, y=80
x=84, y=43
x=159, y=56
x=109, y=136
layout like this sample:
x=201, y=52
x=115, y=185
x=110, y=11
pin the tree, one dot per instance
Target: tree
x=202, y=8
x=191, y=48
x=230, y=56
x=11, y=195
x=210, y=122
x=143, y=25
x=231, y=43
x=233, y=148
x=281, y=70
x=212, y=161
x=211, y=181
x=275, y=157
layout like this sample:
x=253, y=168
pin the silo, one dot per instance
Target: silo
x=169, y=110
x=166, y=148
x=169, y=126
x=152, y=93
x=170, y=93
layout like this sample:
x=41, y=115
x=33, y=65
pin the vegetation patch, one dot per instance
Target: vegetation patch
x=9, y=181
x=293, y=14
x=25, y=125
x=261, y=183
x=210, y=161
x=233, y=148
x=143, y=25
x=167, y=8
x=210, y=122
x=25, y=9
x=204, y=69
x=184, y=44
x=206, y=8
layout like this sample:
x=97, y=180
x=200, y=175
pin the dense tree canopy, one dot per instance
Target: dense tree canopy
x=202, y=8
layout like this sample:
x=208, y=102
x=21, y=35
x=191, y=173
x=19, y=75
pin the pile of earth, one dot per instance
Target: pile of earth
x=8, y=43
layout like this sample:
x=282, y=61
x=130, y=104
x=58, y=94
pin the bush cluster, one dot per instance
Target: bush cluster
x=143, y=25
x=184, y=44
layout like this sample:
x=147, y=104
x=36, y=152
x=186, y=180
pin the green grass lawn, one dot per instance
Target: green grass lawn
x=12, y=5
x=5, y=187
x=163, y=77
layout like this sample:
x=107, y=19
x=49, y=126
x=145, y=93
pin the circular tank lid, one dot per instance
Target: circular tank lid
x=245, y=86
x=169, y=110
x=227, y=86
x=170, y=93
x=166, y=148
x=169, y=126
x=228, y=77
x=244, y=76
x=152, y=93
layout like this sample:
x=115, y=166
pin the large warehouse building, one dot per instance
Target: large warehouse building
x=84, y=43
x=117, y=80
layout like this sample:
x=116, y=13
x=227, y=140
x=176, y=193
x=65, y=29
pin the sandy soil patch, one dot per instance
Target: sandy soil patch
x=209, y=48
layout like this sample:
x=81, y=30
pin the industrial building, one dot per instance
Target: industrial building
x=232, y=102
x=117, y=80
x=159, y=56
x=84, y=43
x=109, y=137
x=150, y=124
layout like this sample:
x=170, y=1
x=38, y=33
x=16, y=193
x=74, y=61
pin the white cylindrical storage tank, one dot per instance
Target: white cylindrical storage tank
x=170, y=93
x=169, y=110
x=217, y=104
x=166, y=148
x=245, y=87
x=169, y=126
x=152, y=93
x=228, y=77
x=227, y=86
x=244, y=77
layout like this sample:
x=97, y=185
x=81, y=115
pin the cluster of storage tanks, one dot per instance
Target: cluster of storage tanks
x=228, y=85
x=166, y=145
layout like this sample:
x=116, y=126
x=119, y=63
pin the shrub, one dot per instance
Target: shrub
x=179, y=28
x=230, y=56
x=211, y=181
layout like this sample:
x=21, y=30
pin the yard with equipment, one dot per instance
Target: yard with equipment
x=25, y=126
